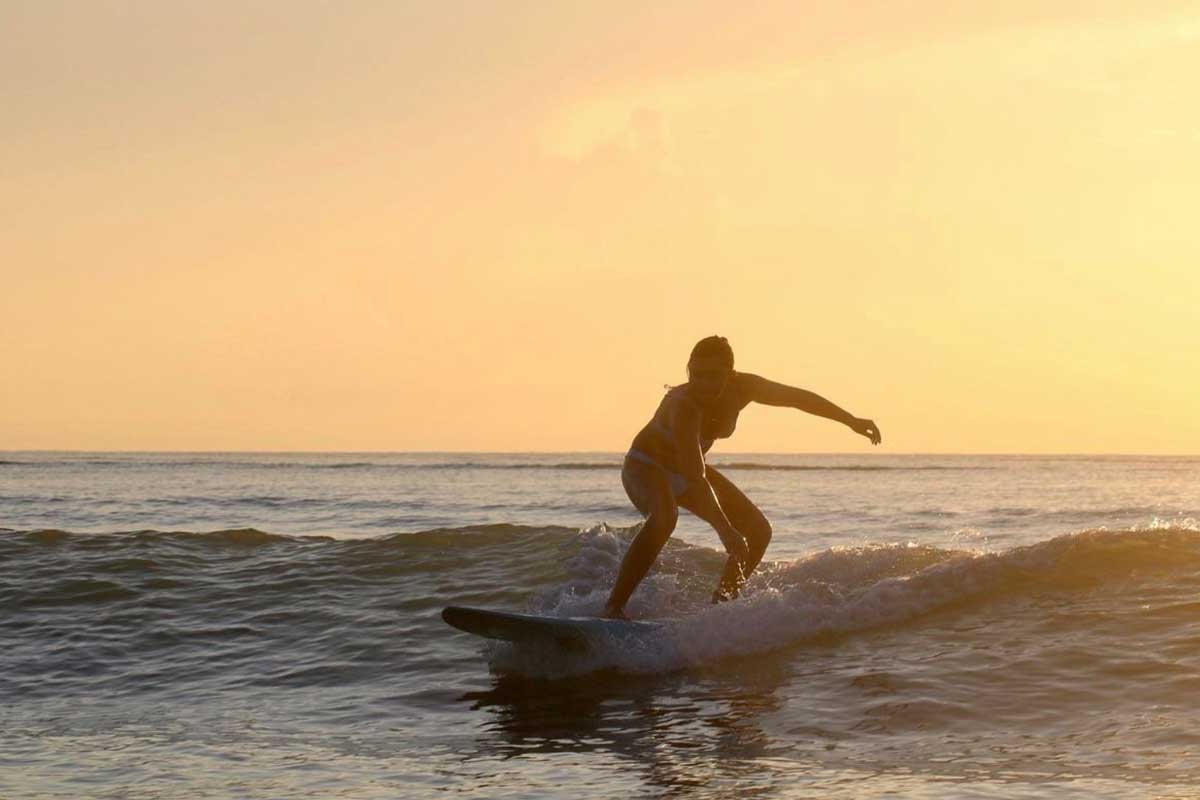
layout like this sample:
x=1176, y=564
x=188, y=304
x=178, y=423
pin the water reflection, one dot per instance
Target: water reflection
x=680, y=732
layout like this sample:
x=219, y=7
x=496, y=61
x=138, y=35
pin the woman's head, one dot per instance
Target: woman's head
x=710, y=366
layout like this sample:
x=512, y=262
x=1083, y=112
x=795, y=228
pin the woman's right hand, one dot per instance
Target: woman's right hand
x=735, y=545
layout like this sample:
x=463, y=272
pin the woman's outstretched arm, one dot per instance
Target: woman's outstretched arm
x=770, y=393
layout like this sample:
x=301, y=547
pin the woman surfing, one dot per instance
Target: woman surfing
x=665, y=469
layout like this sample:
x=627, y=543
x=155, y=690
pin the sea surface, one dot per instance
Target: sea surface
x=212, y=625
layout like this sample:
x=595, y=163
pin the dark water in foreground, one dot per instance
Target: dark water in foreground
x=961, y=627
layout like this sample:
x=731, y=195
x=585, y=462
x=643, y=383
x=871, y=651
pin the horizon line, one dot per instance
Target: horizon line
x=600, y=452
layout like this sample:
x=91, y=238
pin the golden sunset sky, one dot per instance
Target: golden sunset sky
x=501, y=226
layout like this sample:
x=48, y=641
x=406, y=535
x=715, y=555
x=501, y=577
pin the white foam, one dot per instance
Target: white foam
x=834, y=592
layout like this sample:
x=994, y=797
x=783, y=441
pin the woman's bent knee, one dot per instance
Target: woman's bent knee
x=759, y=537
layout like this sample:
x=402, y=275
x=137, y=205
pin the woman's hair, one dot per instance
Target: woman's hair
x=709, y=347
x=713, y=347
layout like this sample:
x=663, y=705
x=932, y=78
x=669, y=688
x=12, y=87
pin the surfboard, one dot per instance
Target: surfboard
x=572, y=633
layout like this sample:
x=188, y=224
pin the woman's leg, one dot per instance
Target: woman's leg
x=749, y=521
x=650, y=491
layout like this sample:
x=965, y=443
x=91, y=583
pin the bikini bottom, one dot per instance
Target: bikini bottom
x=639, y=493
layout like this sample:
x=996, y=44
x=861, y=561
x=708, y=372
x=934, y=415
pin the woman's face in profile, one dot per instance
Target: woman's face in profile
x=707, y=378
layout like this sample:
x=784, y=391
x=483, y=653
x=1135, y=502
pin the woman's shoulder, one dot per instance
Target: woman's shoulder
x=743, y=379
x=679, y=402
x=740, y=386
x=680, y=393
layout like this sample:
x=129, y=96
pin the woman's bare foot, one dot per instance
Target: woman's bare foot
x=615, y=613
x=720, y=596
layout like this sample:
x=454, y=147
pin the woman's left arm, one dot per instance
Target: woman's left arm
x=768, y=392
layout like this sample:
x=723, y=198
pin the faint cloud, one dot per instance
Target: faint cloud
x=646, y=132
x=1097, y=57
x=625, y=123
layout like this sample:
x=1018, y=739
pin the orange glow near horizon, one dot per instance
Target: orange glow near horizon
x=304, y=227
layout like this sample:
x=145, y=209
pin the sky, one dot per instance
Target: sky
x=501, y=226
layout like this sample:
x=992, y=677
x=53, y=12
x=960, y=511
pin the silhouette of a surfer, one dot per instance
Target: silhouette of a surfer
x=665, y=469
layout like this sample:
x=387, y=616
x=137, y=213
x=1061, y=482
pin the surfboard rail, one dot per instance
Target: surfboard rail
x=572, y=633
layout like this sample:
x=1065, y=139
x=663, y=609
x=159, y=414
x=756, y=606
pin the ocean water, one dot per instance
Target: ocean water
x=267, y=625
